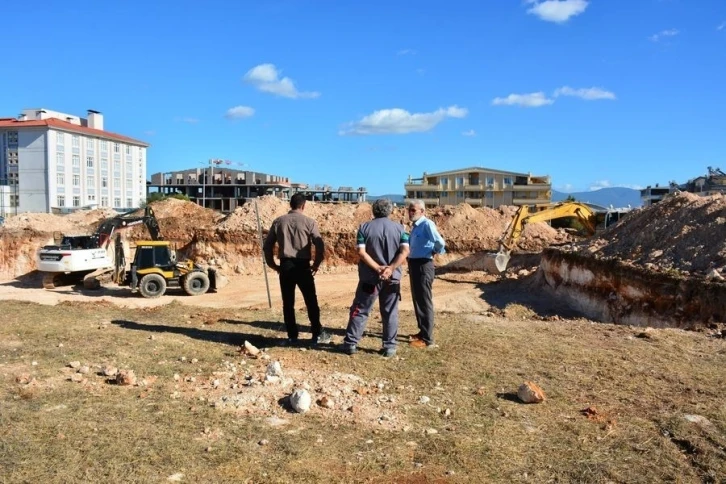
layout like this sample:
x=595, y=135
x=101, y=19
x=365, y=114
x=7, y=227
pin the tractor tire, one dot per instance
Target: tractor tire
x=152, y=286
x=196, y=283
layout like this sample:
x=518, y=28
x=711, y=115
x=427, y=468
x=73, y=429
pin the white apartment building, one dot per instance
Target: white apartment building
x=51, y=161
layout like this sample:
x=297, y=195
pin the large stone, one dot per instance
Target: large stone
x=300, y=401
x=529, y=392
x=274, y=369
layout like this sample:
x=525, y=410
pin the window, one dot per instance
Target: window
x=61, y=200
x=90, y=181
x=460, y=194
x=89, y=161
x=116, y=148
x=60, y=139
x=104, y=201
x=14, y=199
x=460, y=181
x=90, y=143
x=490, y=181
x=76, y=141
x=104, y=182
x=76, y=160
x=116, y=165
x=12, y=137
x=76, y=180
x=60, y=159
x=60, y=179
x=129, y=167
x=507, y=181
x=444, y=194
x=444, y=181
x=128, y=149
x=129, y=202
x=489, y=194
x=76, y=201
x=12, y=157
x=104, y=145
x=104, y=162
x=117, y=202
x=116, y=182
x=91, y=198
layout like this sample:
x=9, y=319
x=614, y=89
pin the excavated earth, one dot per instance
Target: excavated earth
x=661, y=266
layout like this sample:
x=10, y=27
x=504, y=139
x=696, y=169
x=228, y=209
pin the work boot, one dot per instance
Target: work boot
x=323, y=338
x=388, y=352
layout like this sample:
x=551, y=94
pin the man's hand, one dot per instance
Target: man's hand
x=314, y=269
x=386, y=273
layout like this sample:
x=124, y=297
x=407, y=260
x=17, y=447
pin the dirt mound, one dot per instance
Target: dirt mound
x=684, y=232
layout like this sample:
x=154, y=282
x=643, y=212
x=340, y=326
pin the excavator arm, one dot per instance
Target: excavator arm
x=108, y=227
x=514, y=231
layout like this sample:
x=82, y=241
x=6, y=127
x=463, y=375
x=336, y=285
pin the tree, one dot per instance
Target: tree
x=570, y=198
x=158, y=196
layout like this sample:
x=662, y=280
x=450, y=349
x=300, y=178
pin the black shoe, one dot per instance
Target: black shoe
x=290, y=342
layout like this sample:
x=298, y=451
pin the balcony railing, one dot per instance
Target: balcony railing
x=427, y=201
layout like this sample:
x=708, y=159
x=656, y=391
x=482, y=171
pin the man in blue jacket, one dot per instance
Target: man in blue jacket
x=425, y=242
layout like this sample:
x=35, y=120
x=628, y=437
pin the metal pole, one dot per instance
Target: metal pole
x=204, y=188
x=264, y=265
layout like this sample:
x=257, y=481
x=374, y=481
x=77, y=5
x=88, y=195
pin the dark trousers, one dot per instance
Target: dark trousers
x=388, y=295
x=421, y=273
x=297, y=273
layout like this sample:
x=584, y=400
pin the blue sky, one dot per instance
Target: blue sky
x=593, y=93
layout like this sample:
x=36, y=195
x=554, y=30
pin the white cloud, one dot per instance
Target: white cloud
x=721, y=26
x=558, y=11
x=566, y=188
x=588, y=94
x=186, y=119
x=150, y=132
x=239, y=112
x=400, y=121
x=597, y=185
x=664, y=33
x=406, y=52
x=266, y=78
x=531, y=100
x=470, y=132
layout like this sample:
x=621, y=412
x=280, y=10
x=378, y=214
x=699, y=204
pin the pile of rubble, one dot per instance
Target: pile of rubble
x=685, y=234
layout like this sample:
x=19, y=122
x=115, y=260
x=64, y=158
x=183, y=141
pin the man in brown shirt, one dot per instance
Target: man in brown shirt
x=295, y=234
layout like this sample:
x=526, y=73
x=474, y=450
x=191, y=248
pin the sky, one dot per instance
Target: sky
x=593, y=93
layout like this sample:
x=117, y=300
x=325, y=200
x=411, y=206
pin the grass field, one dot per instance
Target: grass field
x=200, y=414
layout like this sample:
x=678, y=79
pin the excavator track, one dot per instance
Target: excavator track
x=98, y=278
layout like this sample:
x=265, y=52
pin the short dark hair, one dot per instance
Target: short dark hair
x=382, y=208
x=297, y=201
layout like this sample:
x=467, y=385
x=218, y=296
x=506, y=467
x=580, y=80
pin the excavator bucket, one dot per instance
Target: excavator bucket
x=495, y=262
x=501, y=261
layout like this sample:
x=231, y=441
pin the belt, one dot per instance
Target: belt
x=420, y=259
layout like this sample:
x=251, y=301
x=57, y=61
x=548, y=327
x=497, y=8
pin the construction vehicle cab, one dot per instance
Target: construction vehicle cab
x=155, y=269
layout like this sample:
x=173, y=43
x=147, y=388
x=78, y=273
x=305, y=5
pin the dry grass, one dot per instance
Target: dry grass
x=641, y=385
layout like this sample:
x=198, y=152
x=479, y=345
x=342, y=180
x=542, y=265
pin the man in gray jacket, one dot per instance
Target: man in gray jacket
x=382, y=248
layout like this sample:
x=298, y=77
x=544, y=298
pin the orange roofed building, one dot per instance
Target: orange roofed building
x=57, y=162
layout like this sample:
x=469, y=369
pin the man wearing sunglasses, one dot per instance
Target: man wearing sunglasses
x=425, y=241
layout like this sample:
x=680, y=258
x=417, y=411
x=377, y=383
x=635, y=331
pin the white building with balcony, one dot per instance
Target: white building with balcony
x=57, y=162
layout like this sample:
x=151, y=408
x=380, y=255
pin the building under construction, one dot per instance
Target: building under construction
x=224, y=189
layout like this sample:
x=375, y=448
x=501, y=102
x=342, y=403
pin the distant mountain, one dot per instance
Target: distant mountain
x=618, y=197
x=394, y=198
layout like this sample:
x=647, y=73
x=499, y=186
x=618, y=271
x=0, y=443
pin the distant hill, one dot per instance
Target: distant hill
x=618, y=197
x=394, y=198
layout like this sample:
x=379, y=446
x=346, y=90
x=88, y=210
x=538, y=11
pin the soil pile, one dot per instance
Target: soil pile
x=684, y=232
x=232, y=241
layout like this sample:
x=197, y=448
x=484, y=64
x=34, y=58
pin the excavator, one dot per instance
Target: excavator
x=86, y=257
x=154, y=268
x=591, y=220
